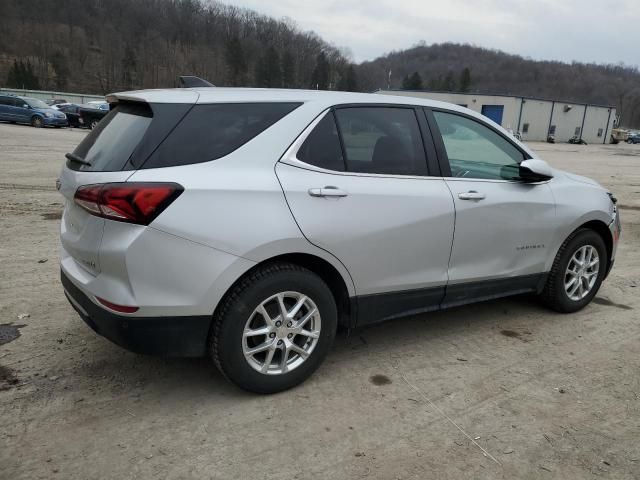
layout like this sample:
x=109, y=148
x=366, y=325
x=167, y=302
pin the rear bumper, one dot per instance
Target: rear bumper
x=167, y=336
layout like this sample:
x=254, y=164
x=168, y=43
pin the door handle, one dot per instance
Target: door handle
x=472, y=195
x=328, y=191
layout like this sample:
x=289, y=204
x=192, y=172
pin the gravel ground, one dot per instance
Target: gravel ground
x=504, y=389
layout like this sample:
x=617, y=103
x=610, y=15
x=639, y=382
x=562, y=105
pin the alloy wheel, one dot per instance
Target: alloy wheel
x=582, y=272
x=281, y=333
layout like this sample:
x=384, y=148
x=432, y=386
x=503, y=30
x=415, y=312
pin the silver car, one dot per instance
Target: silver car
x=249, y=224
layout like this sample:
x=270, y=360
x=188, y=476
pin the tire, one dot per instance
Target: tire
x=37, y=122
x=93, y=124
x=239, y=312
x=555, y=294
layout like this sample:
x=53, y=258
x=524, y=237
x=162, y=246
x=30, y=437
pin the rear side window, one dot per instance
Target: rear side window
x=322, y=146
x=215, y=130
x=109, y=145
x=383, y=140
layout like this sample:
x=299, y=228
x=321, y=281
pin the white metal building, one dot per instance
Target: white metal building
x=534, y=118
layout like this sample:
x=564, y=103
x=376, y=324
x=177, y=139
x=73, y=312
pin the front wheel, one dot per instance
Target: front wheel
x=93, y=124
x=577, y=272
x=37, y=122
x=274, y=328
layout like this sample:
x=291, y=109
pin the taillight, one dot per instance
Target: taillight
x=132, y=202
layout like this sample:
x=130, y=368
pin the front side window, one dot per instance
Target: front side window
x=383, y=140
x=35, y=103
x=476, y=151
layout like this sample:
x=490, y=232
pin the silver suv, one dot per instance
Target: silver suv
x=249, y=224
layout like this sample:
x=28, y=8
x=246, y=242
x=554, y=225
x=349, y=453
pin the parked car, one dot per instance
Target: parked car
x=576, y=140
x=17, y=109
x=91, y=114
x=634, y=138
x=247, y=224
x=71, y=112
x=55, y=101
x=99, y=104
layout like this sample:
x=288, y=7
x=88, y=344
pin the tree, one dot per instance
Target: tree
x=269, y=71
x=21, y=75
x=320, y=75
x=129, y=67
x=236, y=62
x=348, y=81
x=60, y=65
x=288, y=70
x=449, y=84
x=413, y=82
x=465, y=80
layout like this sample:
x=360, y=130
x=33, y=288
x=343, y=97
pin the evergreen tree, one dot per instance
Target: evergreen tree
x=21, y=75
x=273, y=69
x=129, y=67
x=60, y=66
x=13, y=77
x=449, y=84
x=236, y=61
x=413, y=82
x=348, y=81
x=320, y=75
x=465, y=80
x=288, y=70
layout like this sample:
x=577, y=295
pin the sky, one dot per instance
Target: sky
x=601, y=31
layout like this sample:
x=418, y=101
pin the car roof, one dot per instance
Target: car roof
x=232, y=95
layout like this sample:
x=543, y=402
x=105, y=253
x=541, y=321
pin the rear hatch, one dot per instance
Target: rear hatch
x=110, y=153
x=139, y=133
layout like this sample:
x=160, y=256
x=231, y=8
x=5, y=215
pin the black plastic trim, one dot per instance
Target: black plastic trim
x=166, y=336
x=388, y=306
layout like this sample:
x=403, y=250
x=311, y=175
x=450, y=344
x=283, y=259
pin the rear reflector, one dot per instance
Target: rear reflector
x=117, y=308
x=138, y=203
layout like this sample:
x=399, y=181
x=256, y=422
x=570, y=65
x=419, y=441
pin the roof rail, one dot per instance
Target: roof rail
x=189, y=81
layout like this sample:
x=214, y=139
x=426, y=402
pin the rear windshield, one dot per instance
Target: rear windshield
x=135, y=135
x=111, y=143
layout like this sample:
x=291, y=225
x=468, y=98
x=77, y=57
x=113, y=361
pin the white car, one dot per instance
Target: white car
x=248, y=224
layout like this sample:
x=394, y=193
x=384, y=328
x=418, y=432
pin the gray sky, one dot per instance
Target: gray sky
x=602, y=31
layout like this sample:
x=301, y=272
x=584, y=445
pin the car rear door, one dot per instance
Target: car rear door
x=504, y=227
x=359, y=186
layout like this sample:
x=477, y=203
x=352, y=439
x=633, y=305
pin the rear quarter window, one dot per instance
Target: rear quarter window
x=212, y=131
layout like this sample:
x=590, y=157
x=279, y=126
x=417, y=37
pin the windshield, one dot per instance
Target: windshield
x=35, y=103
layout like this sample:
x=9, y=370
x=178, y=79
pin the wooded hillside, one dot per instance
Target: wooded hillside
x=455, y=67
x=99, y=46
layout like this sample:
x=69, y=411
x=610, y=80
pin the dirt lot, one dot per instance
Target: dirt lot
x=504, y=389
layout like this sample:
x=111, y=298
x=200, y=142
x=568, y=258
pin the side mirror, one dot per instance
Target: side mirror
x=26, y=106
x=535, y=170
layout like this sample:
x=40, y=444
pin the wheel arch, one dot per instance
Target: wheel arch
x=603, y=230
x=321, y=267
x=598, y=226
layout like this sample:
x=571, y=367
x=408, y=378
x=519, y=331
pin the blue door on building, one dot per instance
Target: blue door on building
x=494, y=112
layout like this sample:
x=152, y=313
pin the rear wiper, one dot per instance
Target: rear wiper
x=75, y=158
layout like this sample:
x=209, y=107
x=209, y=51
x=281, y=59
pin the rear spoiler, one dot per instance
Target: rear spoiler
x=189, y=81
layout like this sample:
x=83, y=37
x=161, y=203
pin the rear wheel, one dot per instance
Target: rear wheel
x=37, y=122
x=274, y=328
x=577, y=272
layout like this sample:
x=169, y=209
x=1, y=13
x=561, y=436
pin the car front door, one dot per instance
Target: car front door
x=358, y=185
x=504, y=227
x=22, y=110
